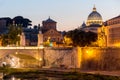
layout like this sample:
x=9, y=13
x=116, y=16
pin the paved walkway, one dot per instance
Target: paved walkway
x=111, y=73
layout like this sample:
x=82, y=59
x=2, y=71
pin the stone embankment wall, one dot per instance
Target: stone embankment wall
x=48, y=57
x=60, y=57
x=96, y=58
x=85, y=58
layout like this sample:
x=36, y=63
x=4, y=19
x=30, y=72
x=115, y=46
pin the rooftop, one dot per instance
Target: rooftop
x=50, y=20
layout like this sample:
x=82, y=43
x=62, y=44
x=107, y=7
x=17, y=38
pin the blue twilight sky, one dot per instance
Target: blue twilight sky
x=68, y=13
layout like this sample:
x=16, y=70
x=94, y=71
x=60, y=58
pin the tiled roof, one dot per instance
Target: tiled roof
x=50, y=20
x=114, y=18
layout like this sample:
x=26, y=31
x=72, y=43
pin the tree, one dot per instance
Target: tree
x=7, y=19
x=81, y=38
x=11, y=38
x=23, y=21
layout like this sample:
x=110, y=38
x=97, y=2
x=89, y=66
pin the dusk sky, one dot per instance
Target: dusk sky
x=69, y=14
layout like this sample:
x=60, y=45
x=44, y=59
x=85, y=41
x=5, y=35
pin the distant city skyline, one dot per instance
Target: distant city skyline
x=69, y=14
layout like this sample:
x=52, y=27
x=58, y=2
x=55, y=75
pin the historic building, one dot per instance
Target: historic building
x=50, y=34
x=46, y=35
x=49, y=24
x=109, y=34
x=113, y=31
x=94, y=21
x=3, y=27
x=31, y=37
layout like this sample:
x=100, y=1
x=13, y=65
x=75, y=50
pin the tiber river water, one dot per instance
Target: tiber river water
x=38, y=78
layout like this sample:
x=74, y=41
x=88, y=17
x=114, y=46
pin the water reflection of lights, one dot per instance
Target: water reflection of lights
x=13, y=78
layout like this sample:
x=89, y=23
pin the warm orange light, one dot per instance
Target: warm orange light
x=16, y=52
x=79, y=57
x=67, y=40
x=40, y=59
x=41, y=47
x=89, y=54
x=117, y=44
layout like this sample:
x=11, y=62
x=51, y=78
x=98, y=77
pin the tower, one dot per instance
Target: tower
x=40, y=38
x=49, y=24
x=22, y=39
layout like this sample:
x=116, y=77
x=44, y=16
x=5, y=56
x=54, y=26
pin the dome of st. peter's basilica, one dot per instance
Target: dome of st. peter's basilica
x=94, y=18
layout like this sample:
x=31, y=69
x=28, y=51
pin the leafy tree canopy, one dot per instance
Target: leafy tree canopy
x=12, y=37
x=81, y=38
x=19, y=20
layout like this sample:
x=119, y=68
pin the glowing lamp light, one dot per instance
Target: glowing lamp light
x=51, y=45
x=40, y=59
x=117, y=44
x=41, y=47
x=16, y=52
x=89, y=53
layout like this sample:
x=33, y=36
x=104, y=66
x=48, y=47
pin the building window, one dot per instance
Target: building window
x=58, y=39
x=51, y=31
x=45, y=39
x=53, y=39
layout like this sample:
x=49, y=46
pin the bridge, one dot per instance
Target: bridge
x=48, y=56
x=32, y=51
x=8, y=54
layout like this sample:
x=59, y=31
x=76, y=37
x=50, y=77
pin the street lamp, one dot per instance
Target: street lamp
x=40, y=59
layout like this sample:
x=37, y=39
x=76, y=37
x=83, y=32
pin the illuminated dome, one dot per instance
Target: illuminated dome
x=94, y=18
